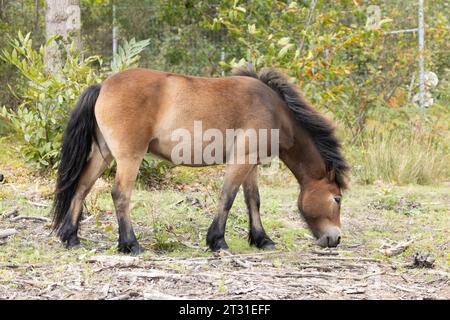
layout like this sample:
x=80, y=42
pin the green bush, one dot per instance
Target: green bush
x=46, y=98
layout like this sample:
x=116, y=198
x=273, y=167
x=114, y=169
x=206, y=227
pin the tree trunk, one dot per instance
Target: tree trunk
x=62, y=17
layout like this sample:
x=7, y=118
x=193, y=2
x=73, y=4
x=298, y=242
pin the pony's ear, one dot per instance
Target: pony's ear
x=332, y=175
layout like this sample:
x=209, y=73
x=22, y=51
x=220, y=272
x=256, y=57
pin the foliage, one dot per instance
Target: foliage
x=362, y=78
x=128, y=55
x=47, y=97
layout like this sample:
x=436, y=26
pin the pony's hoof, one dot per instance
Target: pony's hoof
x=261, y=241
x=267, y=245
x=72, y=243
x=133, y=248
x=218, y=245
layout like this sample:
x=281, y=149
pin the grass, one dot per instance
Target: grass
x=406, y=157
x=174, y=221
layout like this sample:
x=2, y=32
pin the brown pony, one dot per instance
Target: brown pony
x=135, y=112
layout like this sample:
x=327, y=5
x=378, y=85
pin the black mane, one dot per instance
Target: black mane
x=320, y=129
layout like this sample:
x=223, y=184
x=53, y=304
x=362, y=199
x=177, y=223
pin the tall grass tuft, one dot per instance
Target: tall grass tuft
x=401, y=157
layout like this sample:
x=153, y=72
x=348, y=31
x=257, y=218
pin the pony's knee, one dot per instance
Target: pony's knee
x=115, y=192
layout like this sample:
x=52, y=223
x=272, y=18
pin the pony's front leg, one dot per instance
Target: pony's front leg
x=257, y=235
x=234, y=176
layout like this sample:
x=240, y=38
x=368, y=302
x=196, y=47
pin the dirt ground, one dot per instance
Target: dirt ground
x=395, y=244
x=324, y=274
x=33, y=265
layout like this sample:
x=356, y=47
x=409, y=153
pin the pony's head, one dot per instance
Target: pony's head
x=320, y=204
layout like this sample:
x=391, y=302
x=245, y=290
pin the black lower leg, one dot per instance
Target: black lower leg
x=68, y=233
x=215, y=238
x=257, y=235
x=127, y=239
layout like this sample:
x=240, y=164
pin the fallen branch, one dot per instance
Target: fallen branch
x=239, y=262
x=126, y=296
x=152, y=274
x=37, y=219
x=93, y=240
x=7, y=233
x=87, y=219
x=346, y=258
x=158, y=274
x=372, y=275
x=39, y=204
x=155, y=295
x=10, y=213
x=401, y=288
x=326, y=252
x=390, y=248
x=115, y=261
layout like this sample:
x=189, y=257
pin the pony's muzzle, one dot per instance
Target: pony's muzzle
x=330, y=238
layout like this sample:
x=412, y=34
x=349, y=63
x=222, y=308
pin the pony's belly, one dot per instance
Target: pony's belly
x=186, y=152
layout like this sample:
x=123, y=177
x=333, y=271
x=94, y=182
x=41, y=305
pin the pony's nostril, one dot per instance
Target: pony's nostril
x=338, y=240
x=328, y=241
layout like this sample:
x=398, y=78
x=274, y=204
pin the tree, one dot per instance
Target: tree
x=62, y=18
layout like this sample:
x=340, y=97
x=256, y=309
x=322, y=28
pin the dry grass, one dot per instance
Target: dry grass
x=402, y=158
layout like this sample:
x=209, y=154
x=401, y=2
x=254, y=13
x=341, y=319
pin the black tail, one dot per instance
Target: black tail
x=75, y=149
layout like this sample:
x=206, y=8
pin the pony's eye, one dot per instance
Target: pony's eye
x=337, y=199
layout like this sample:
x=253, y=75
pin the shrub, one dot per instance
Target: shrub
x=46, y=98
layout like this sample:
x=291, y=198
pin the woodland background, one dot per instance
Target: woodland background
x=364, y=78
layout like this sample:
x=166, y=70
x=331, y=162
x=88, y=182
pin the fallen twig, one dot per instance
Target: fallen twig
x=155, y=295
x=39, y=204
x=93, y=240
x=10, y=213
x=87, y=219
x=390, y=248
x=347, y=258
x=400, y=288
x=326, y=252
x=372, y=275
x=126, y=296
x=7, y=233
x=38, y=219
x=116, y=261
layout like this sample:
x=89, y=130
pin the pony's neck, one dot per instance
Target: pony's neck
x=303, y=158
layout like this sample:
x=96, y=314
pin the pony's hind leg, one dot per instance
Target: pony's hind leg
x=94, y=168
x=257, y=235
x=127, y=170
x=234, y=176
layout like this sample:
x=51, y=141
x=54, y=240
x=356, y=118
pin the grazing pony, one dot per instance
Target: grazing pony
x=138, y=110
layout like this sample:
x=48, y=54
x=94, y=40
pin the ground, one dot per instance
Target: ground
x=383, y=227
